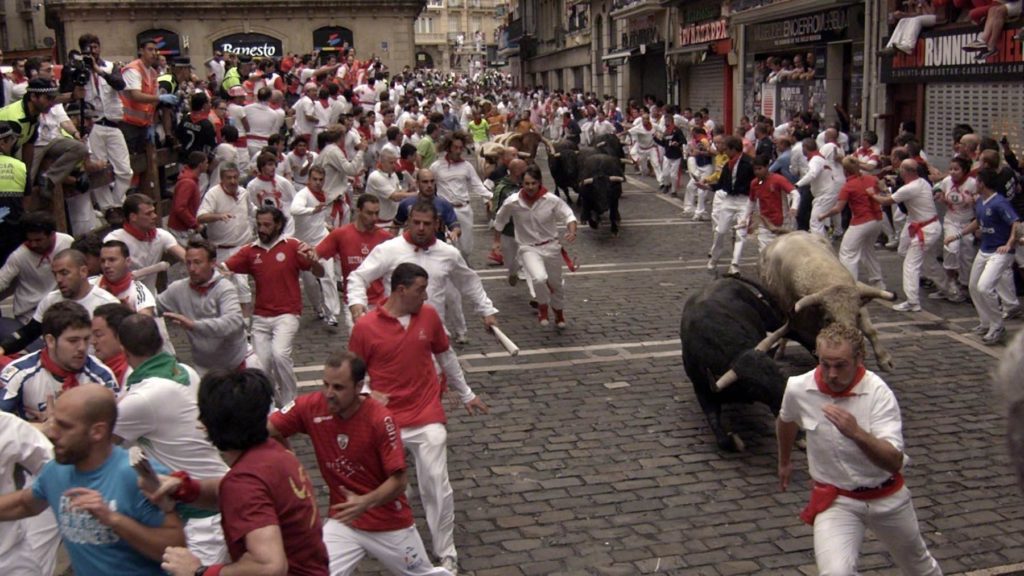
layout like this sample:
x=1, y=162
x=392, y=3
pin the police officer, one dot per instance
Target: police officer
x=13, y=186
x=23, y=116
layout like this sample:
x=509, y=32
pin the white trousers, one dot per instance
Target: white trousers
x=652, y=155
x=694, y=195
x=454, y=318
x=839, y=534
x=204, y=537
x=106, y=143
x=959, y=254
x=543, y=266
x=465, y=244
x=726, y=214
x=80, y=214
x=764, y=238
x=427, y=445
x=859, y=246
x=510, y=253
x=819, y=206
x=670, y=174
x=36, y=552
x=918, y=257
x=272, y=337
x=990, y=269
x=241, y=281
x=400, y=551
x=322, y=293
x=904, y=37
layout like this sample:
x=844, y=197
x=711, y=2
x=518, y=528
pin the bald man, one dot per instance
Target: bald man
x=108, y=526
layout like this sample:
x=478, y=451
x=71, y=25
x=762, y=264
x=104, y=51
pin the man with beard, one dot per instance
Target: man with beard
x=28, y=268
x=227, y=213
x=107, y=525
x=274, y=262
x=359, y=450
x=205, y=305
x=63, y=363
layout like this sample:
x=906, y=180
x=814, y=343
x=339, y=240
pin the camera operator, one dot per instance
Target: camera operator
x=103, y=85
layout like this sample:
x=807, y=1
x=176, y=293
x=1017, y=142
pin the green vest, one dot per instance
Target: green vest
x=231, y=79
x=15, y=114
x=12, y=176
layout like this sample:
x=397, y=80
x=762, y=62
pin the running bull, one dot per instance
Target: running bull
x=720, y=331
x=601, y=177
x=802, y=273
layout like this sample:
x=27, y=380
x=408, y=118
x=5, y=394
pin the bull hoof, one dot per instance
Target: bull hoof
x=592, y=223
x=731, y=443
x=737, y=442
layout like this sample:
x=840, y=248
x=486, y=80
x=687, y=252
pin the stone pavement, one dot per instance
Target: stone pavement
x=596, y=459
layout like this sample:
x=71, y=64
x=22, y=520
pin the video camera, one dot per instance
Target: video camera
x=79, y=68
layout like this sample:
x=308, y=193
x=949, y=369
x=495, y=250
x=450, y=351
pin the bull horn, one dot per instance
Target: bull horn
x=870, y=292
x=626, y=161
x=548, y=143
x=765, y=345
x=600, y=144
x=524, y=154
x=808, y=301
x=616, y=178
x=587, y=181
x=726, y=380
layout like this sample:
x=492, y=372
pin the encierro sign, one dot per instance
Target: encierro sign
x=705, y=32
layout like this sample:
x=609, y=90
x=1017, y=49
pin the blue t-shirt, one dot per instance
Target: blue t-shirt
x=93, y=547
x=995, y=218
x=444, y=209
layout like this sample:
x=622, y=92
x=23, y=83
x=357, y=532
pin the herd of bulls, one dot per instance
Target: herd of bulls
x=729, y=328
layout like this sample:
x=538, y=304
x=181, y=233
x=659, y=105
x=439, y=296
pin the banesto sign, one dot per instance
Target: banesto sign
x=706, y=32
x=255, y=45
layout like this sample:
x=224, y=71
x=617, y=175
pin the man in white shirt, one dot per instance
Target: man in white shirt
x=147, y=243
x=536, y=215
x=117, y=278
x=261, y=121
x=456, y=181
x=270, y=189
x=305, y=115
x=921, y=236
x=228, y=215
x=158, y=411
x=855, y=454
x=300, y=161
x=384, y=184
x=340, y=168
x=823, y=181
x=312, y=212
x=28, y=268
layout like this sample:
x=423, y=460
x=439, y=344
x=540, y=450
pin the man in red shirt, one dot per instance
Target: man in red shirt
x=267, y=503
x=768, y=194
x=361, y=458
x=185, y=205
x=274, y=262
x=399, y=340
x=353, y=242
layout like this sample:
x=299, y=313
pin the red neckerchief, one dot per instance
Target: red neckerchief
x=119, y=287
x=648, y=126
x=733, y=161
x=848, y=391
x=424, y=247
x=450, y=161
x=320, y=196
x=70, y=379
x=203, y=288
x=118, y=364
x=530, y=201
x=815, y=154
x=865, y=151
x=147, y=236
x=44, y=257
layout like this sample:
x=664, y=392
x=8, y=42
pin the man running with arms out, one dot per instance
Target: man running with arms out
x=359, y=451
x=399, y=341
x=855, y=455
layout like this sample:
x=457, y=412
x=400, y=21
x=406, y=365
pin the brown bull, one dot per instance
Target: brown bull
x=803, y=274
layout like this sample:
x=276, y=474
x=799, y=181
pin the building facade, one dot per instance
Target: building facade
x=459, y=35
x=23, y=28
x=270, y=28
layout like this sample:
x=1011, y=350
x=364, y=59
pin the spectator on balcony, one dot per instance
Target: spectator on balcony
x=998, y=13
x=909, y=23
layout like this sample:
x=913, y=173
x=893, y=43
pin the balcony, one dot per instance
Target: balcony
x=430, y=38
x=631, y=8
x=515, y=30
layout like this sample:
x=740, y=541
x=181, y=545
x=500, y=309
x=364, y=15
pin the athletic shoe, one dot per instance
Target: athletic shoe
x=982, y=56
x=939, y=295
x=979, y=330
x=1014, y=312
x=994, y=335
x=887, y=51
x=542, y=314
x=734, y=271
x=958, y=297
x=513, y=279
x=712, y=269
x=450, y=564
x=461, y=338
x=907, y=307
x=559, y=318
x=975, y=45
x=892, y=244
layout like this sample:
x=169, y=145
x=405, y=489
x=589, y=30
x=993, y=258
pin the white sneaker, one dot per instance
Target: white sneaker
x=1014, y=312
x=734, y=271
x=907, y=307
x=461, y=338
x=994, y=335
x=450, y=564
x=979, y=330
x=939, y=295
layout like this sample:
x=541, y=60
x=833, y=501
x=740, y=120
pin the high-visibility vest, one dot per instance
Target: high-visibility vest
x=231, y=79
x=12, y=176
x=15, y=114
x=169, y=78
x=137, y=113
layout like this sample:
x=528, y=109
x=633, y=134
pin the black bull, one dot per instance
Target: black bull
x=720, y=329
x=600, y=180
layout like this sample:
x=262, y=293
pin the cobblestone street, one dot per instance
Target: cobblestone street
x=596, y=459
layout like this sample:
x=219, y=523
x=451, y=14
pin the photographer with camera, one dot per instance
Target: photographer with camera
x=103, y=83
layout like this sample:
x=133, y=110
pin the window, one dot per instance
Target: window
x=435, y=3
x=474, y=23
x=454, y=23
x=424, y=25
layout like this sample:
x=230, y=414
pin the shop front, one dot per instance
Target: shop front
x=805, y=62
x=637, y=54
x=700, y=75
x=941, y=85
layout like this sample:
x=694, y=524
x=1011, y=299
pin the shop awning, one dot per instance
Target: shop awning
x=618, y=57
